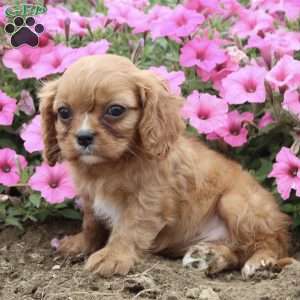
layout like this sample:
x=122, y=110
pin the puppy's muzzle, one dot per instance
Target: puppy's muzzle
x=85, y=138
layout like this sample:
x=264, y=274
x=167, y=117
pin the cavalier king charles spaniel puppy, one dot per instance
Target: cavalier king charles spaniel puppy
x=147, y=186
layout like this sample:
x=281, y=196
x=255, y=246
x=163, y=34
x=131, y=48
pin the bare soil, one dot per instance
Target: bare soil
x=30, y=269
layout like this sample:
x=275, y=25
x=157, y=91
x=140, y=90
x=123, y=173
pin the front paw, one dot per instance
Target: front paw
x=74, y=245
x=107, y=262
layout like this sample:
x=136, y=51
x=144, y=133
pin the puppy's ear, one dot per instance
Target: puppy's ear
x=47, y=94
x=161, y=124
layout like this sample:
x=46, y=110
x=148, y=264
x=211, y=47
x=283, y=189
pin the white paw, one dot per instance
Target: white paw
x=198, y=257
x=251, y=267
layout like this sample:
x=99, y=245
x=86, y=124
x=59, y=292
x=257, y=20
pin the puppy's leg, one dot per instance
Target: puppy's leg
x=257, y=229
x=130, y=237
x=92, y=237
x=211, y=258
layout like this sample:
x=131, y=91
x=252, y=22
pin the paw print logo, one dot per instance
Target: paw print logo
x=24, y=31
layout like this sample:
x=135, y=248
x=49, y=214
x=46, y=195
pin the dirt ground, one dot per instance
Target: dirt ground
x=30, y=269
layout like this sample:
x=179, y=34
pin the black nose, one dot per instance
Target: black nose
x=85, y=138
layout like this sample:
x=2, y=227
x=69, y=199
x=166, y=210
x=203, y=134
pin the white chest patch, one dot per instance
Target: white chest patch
x=105, y=211
x=213, y=230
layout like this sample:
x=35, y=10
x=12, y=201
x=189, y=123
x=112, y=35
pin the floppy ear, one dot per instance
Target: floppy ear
x=51, y=153
x=161, y=124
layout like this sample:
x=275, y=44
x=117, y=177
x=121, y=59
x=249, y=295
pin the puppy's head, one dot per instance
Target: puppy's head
x=103, y=108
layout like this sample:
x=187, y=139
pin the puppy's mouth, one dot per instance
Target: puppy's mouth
x=88, y=155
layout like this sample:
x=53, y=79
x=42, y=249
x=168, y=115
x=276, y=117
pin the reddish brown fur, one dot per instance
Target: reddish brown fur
x=164, y=185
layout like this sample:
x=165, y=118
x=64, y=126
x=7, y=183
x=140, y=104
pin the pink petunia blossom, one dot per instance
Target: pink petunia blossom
x=231, y=8
x=139, y=4
x=122, y=13
x=234, y=132
x=56, y=61
x=219, y=73
x=253, y=23
x=46, y=41
x=180, y=22
x=290, y=8
x=205, y=112
x=98, y=21
x=55, y=242
x=265, y=120
x=285, y=73
x=205, y=7
x=10, y=165
x=55, y=19
x=32, y=135
x=26, y=103
x=174, y=79
x=286, y=172
x=23, y=61
x=54, y=183
x=203, y=53
x=7, y=109
x=152, y=21
x=93, y=48
x=276, y=44
x=245, y=85
x=291, y=101
x=2, y=16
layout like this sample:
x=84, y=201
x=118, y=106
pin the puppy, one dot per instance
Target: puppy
x=146, y=185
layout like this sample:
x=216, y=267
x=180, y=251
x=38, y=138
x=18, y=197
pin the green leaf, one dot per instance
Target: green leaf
x=70, y=214
x=24, y=176
x=265, y=168
x=288, y=208
x=296, y=222
x=13, y=222
x=35, y=199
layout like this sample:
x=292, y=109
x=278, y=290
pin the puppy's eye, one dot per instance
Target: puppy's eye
x=64, y=113
x=115, y=111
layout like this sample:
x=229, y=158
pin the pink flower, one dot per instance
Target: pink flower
x=2, y=15
x=139, y=4
x=219, y=73
x=122, y=13
x=275, y=45
x=93, y=48
x=10, y=165
x=7, y=109
x=291, y=101
x=252, y=23
x=54, y=183
x=56, y=61
x=32, y=135
x=231, y=8
x=98, y=21
x=26, y=103
x=265, y=120
x=285, y=73
x=286, y=173
x=55, y=242
x=247, y=84
x=205, y=112
x=23, y=61
x=202, y=53
x=54, y=21
x=234, y=132
x=205, y=7
x=290, y=8
x=46, y=41
x=174, y=79
x=180, y=22
x=152, y=21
